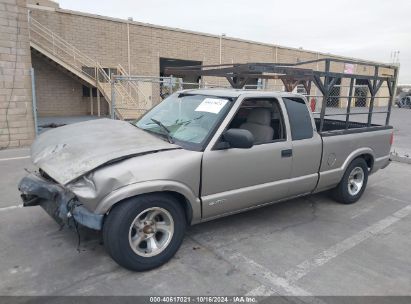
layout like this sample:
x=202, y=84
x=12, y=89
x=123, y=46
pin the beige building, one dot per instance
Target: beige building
x=73, y=55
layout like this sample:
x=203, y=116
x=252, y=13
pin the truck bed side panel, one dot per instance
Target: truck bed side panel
x=340, y=150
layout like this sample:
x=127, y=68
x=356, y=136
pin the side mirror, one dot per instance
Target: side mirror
x=239, y=138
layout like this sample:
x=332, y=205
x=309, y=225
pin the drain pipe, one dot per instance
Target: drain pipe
x=113, y=100
x=33, y=93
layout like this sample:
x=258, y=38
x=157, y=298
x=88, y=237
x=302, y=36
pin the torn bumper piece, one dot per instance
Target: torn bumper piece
x=58, y=202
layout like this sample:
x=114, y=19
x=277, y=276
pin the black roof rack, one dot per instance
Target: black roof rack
x=293, y=74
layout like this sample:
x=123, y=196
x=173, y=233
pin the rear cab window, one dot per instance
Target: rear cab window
x=299, y=117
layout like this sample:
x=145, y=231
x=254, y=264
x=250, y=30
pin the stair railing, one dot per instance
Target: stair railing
x=128, y=95
x=61, y=49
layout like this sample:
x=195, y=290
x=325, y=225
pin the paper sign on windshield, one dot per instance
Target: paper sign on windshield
x=211, y=105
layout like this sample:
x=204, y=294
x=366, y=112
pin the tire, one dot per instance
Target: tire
x=353, y=183
x=144, y=232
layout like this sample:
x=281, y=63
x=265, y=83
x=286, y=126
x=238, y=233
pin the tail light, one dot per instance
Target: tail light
x=391, y=138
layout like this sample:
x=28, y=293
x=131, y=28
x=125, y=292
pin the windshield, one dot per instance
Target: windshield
x=185, y=118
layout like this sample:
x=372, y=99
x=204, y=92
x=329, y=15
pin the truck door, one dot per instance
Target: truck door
x=235, y=179
x=306, y=146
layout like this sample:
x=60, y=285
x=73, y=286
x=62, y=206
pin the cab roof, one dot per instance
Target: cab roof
x=234, y=93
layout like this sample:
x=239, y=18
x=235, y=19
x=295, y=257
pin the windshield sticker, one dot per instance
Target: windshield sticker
x=211, y=105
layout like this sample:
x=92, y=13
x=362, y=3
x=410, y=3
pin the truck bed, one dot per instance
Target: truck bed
x=339, y=125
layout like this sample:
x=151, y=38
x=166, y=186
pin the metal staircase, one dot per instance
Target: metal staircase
x=126, y=101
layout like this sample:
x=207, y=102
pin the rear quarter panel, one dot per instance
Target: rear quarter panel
x=340, y=150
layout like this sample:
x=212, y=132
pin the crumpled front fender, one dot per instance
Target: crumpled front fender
x=58, y=202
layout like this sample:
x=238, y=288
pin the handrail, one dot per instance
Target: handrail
x=52, y=45
x=63, y=50
x=57, y=37
x=132, y=84
x=73, y=57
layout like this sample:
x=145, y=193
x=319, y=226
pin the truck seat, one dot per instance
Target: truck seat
x=258, y=123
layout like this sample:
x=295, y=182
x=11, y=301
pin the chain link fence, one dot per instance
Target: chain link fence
x=355, y=101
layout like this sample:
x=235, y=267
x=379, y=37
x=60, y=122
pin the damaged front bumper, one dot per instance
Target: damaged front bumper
x=57, y=201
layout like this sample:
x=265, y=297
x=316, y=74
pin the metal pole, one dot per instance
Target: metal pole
x=33, y=93
x=98, y=91
x=128, y=48
x=374, y=86
x=276, y=61
x=392, y=95
x=317, y=69
x=347, y=118
x=98, y=103
x=113, y=99
x=91, y=101
x=325, y=94
x=171, y=84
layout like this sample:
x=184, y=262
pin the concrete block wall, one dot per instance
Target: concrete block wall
x=106, y=40
x=58, y=94
x=16, y=110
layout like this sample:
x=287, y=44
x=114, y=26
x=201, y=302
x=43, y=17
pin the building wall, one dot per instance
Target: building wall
x=112, y=41
x=58, y=94
x=16, y=110
x=106, y=40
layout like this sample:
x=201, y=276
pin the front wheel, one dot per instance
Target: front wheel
x=353, y=183
x=144, y=232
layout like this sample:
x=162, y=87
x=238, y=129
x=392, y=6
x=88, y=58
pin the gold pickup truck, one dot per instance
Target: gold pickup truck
x=196, y=156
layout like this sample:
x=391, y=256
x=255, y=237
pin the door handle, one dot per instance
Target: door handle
x=287, y=153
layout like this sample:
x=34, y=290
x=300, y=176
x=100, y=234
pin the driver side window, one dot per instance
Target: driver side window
x=263, y=118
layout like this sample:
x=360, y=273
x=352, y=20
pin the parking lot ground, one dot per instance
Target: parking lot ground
x=401, y=120
x=306, y=246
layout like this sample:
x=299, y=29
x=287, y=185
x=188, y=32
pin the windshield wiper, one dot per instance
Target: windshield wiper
x=160, y=124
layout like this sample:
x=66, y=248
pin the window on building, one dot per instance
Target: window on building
x=361, y=92
x=300, y=89
x=335, y=95
x=86, y=91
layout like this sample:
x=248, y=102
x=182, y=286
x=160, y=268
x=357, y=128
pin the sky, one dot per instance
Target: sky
x=365, y=29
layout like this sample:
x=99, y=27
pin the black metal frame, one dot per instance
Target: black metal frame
x=292, y=74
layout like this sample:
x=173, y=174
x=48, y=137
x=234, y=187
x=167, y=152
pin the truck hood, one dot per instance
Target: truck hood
x=71, y=151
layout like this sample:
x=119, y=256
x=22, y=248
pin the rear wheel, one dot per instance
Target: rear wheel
x=144, y=232
x=353, y=183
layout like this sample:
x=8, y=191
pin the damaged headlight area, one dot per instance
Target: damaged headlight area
x=60, y=203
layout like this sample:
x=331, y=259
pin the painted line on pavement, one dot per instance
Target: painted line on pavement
x=14, y=158
x=334, y=251
x=11, y=207
x=278, y=284
x=271, y=284
x=392, y=198
x=261, y=291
